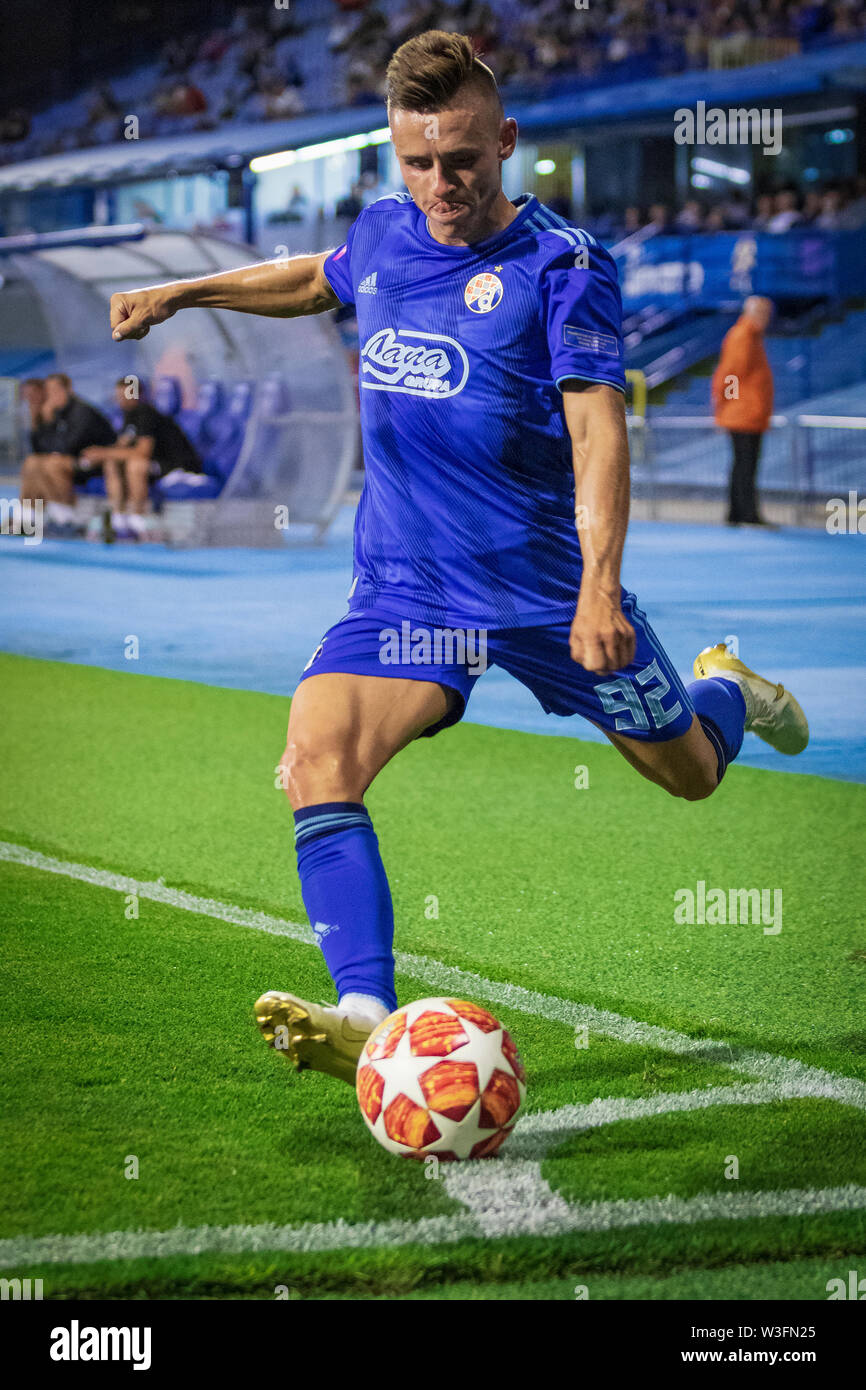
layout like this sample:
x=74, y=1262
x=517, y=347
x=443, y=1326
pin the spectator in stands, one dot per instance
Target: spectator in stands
x=352, y=204
x=361, y=80
x=763, y=212
x=786, y=212
x=186, y=99
x=214, y=48
x=853, y=215
x=691, y=217
x=298, y=204
x=529, y=41
x=660, y=218
x=829, y=217
x=149, y=446
x=735, y=210
x=276, y=101
x=68, y=426
x=368, y=187
x=742, y=392
x=633, y=220
x=812, y=203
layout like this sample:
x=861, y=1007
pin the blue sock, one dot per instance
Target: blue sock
x=721, y=708
x=347, y=897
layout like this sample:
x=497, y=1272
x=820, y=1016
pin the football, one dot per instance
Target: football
x=443, y=1077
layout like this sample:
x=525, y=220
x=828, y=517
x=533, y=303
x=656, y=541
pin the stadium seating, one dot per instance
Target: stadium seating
x=167, y=396
x=196, y=422
x=218, y=434
x=536, y=50
x=216, y=425
x=226, y=433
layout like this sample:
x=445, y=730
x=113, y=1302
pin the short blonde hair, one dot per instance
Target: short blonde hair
x=425, y=73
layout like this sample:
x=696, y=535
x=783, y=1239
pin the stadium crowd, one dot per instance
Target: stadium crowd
x=835, y=207
x=258, y=67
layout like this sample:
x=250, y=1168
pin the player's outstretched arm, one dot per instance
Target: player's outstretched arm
x=279, y=289
x=602, y=638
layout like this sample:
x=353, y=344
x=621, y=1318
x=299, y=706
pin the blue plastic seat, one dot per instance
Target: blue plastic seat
x=208, y=406
x=225, y=432
x=167, y=396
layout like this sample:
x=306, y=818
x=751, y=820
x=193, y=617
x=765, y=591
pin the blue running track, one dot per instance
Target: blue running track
x=795, y=601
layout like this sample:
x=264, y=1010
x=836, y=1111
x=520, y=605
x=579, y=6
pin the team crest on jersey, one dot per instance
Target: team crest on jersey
x=483, y=292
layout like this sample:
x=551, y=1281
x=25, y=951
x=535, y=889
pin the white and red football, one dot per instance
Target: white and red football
x=443, y=1077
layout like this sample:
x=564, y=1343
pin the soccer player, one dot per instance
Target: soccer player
x=494, y=512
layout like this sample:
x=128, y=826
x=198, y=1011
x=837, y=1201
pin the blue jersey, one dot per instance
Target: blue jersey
x=467, y=514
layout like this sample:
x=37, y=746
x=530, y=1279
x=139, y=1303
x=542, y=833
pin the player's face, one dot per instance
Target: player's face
x=451, y=162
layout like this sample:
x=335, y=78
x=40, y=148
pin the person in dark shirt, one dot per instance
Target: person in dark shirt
x=74, y=425
x=39, y=441
x=150, y=445
x=62, y=427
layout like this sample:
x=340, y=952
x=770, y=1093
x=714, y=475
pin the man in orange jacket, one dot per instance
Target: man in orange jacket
x=743, y=401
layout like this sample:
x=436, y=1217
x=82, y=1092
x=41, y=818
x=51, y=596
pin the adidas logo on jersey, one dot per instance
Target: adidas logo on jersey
x=368, y=284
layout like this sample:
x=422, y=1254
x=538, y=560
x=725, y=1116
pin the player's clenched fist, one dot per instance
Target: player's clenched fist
x=134, y=312
x=602, y=638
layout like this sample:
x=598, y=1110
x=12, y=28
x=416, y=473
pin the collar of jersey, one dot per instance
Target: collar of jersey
x=525, y=203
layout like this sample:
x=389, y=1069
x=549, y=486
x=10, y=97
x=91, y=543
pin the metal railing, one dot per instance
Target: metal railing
x=805, y=459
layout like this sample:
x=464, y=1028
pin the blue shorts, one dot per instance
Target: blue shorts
x=647, y=700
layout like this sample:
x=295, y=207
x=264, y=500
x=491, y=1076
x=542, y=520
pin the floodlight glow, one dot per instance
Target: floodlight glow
x=263, y=163
x=719, y=171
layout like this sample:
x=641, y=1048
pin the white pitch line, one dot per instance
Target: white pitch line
x=27, y=1251
x=508, y=1196
x=515, y=1186
x=536, y=1132
x=505, y=1197
x=449, y=979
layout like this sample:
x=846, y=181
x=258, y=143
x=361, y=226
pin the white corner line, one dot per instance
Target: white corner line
x=449, y=979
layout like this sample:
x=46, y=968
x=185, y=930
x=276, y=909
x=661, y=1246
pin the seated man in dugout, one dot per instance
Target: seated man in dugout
x=150, y=446
x=39, y=441
x=63, y=427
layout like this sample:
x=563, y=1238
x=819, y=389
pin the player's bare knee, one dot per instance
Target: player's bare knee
x=311, y=772
x=699, y=785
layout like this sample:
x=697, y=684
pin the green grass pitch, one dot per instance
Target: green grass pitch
x=132, y=1037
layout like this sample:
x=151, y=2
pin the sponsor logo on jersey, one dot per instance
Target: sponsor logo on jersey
x=483, y=292
x=416, y=363
x=368, y=284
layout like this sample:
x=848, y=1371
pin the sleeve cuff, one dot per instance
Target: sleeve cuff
x=583, y=376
